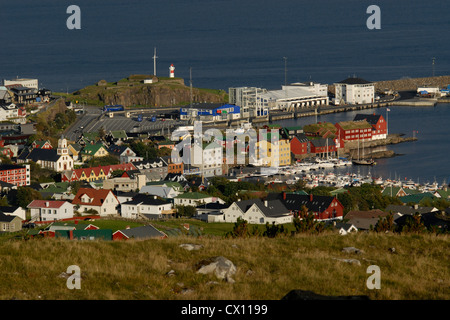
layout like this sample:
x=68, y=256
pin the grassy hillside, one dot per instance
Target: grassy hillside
x=266, y=268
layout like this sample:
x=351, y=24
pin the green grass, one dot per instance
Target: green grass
x=114, y=225
x=266, y=268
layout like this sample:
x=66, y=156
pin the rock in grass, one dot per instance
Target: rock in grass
x=191, y=246
x=220, y=266
x=350, y=261
x=352, y=250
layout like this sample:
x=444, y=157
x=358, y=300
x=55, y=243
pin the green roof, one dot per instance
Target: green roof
x=192, y=195
x=293, y=128
x=56, y=188
x=119, y=134
x=416, y=198
x=347, y=125
x=445, y=194
x=92, y=148
x=90, y=135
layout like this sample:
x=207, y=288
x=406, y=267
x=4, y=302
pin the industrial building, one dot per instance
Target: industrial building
x=28, y=83
x=257, y=102
x=210, y=112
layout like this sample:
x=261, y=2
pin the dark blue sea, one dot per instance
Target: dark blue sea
x=242, y=43
x=225, y=42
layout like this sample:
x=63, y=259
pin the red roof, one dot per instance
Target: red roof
x=54, y=204
x=97, y=196
x=106, y=169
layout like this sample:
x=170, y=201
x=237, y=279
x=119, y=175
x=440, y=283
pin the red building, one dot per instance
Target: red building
x=41, y=144
x=323, y=147
x=354, y=130
x=323, y=207
x=299, y=144
x=14, y=174
x=378, y=123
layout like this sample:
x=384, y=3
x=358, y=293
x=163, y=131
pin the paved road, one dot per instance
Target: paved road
x=93, y=119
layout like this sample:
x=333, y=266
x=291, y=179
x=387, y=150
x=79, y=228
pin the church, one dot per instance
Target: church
x=58, y=160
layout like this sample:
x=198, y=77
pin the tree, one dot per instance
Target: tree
x=305, y=222
x=240, y=229
x=385, y=224
x=273, y=230
x=186, y=211
x=24, y=196
x=414, y=224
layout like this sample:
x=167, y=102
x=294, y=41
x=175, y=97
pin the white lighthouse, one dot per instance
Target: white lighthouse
x=172, y=71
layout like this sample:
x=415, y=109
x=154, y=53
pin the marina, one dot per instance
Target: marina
x=338, y=173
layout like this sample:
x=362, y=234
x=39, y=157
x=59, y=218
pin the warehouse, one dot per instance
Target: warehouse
x=210, y=112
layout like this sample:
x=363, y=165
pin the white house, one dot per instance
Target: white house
x=147, y=206
x=101, y=201
x=163, y=191
x=14, y=211
x=50, y=210
x=354, y=91
x=255, y=211
x=195, y=199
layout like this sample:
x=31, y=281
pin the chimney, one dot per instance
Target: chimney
x=284, y=195
x=47, y=204
x=266, y=203
x=310, y=197
x=127, y=227
x=416, y=206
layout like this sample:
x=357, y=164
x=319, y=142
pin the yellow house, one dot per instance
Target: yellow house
x=74, y=151
x=269, y=155
x=93, y=151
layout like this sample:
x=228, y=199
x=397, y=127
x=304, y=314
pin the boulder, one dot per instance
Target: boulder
x=220, y=266
x=350, y=261
x=191, y=246
x=309, y=295
x=352, y=250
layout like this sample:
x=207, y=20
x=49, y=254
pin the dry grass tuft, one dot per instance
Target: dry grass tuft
x=266, y=268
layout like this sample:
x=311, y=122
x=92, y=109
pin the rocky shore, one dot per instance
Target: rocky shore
x=351, y=148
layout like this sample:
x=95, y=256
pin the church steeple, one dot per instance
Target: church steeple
x=62, y=146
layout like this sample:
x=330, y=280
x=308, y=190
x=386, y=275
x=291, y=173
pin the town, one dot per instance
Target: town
x=50, y=183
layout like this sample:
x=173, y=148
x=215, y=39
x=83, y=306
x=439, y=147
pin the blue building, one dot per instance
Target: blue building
x=210, y=112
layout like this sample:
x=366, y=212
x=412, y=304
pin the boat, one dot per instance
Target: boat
x=364, y=162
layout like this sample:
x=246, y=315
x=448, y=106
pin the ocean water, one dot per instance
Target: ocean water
x=225, y=42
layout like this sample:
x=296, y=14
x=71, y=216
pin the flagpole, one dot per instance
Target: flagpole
x=387, y=122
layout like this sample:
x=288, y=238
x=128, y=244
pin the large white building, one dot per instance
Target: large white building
x=258, y=102
x=354, y=91
x=28, y=83
x=208, y=159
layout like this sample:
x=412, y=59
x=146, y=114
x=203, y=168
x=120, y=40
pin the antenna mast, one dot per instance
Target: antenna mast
x=154, y=62
x=190, y=84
